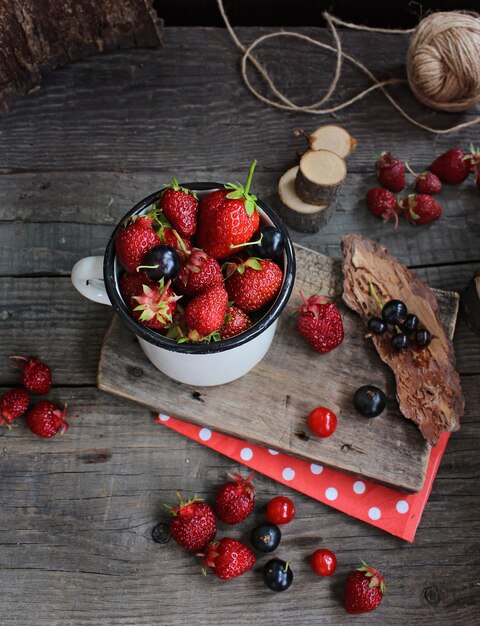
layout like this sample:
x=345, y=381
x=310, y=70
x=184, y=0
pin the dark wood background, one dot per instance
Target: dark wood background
x=76, y=512
x=394, y=14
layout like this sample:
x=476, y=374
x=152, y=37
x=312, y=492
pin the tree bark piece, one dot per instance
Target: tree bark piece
x=320, y=174
x=428, y=386
x=304, y=217
x=42, y=35
x=334, y=138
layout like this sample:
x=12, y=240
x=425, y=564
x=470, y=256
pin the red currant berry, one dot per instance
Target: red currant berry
x=280, y=510
x=323, y=562
x=322, y=421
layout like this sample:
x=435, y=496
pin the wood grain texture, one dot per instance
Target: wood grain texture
x=77, y=115
x=54, y=214
x=291, y=380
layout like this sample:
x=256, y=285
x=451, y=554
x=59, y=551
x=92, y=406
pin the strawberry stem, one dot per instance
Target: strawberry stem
x=250, y=176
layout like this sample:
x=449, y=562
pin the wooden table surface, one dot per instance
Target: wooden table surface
x=75, y=543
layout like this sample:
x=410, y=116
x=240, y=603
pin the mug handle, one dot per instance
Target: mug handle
x=87, y=278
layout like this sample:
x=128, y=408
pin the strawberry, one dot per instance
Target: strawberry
x=156, y=305
x=382, y=203
x=180, y=206
x=229, y=558
x=204, y=314
x=364, y=590
x=193, y=525
x=131, y=285
x=36, y=376
x=231, y=222
x=210, y=203
x=320, y=323
x=428, y=183
x=253, y=283
x=390, y=172
x=235, y=499
x=134, y=241
x=477, y=176
x=452, y=166
x=421, y=209
x=198, y=273
x=235, y=322
x=13, y=405
x=45, y=419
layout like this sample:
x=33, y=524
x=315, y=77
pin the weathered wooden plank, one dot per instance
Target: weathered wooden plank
x=48, y=317
x=70, y=523
x=392, y=452
x=60, y=217
x=135, y=110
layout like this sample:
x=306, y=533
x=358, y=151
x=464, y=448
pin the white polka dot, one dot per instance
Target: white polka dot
x=246, y=454
x=402, y=506
x=359, y=487
x=331, y=493
x=288, y=473
x=205, y=434
x=316, y=469
x=164, y=418
x=374, y=513
x=273, y=452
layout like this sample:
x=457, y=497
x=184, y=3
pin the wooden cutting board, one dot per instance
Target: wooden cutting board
x=270, y=404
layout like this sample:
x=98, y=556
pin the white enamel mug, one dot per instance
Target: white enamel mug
x=198, y=364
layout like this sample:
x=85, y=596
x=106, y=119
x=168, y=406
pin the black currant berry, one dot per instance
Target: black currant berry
x=376, y=326
x=394, y=312
x=266, y=537
x=410, y=324
x=399, y=342
x=369, y=401
x=277, y=575
x=271, y=245
x=161, y=262
x=422, y=338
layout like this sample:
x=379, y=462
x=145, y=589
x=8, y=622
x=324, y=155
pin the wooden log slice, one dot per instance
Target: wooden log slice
x=319, y=177
x=427, y=385
x=334, y=138
x=304, y=217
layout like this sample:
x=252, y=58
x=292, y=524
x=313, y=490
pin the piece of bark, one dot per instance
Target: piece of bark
x=40, y=35
x=319, y=177
x=470, y=302
x=304, y=217
x=427, y=384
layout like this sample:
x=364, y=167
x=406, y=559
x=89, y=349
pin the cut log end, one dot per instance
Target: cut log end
x=333, y=138
x=319, y=177
x=304, y=217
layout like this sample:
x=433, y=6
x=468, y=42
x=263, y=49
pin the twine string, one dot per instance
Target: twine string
x=313, y=109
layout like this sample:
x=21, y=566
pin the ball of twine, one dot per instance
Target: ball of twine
x=443, y=61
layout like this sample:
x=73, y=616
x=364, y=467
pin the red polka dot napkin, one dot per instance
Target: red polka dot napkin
x=391, y=510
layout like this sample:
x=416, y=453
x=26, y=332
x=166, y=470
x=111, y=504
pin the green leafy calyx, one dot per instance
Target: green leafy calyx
x=239, y=191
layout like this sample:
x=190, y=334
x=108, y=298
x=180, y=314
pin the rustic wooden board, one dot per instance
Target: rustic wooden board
x=279, y=393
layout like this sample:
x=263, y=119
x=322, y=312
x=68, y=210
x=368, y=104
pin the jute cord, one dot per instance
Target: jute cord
x=286, y=104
